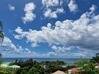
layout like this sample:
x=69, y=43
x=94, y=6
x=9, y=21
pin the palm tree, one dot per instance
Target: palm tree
x=1, y=33
x=0, y=54
x=1, y=37
x=97, y=54
x=0, y=58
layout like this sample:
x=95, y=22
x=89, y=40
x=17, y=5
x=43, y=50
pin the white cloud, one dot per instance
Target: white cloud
x=8, y=45
x=11, y=7
x=9, y=49
x=62, y=49
x=73, y=7
x=92, y=8
x=49, y=3
x=53, y=14
x=49, y=12
x=29, y=12
x=82, y=33
x=72, y=51
x=19, y=30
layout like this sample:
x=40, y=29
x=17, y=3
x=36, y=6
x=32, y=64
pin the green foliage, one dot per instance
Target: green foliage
x=29, y=67
x=1, y=35
x=7, y=70
x=51, y=66
x=95, y=59
x=87, y=66
x=35, y=70
x=34, y=67
x=81, y=62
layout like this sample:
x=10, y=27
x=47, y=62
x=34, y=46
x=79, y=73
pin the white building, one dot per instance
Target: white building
x=59, y=72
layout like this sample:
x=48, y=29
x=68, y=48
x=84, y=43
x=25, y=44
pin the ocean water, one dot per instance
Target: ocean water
x=66, y=60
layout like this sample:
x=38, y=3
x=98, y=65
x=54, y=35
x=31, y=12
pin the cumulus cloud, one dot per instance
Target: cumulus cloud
x=49, y=12
x=65, y=35
x=11, y=7
x=18, y=31
x=9, y=49
x=29, y=12
x=73, y=7
x=49, y=3
x=72, y=51
x=8, y=45
x=53, y=14
x=82, y=32
x=92, y=8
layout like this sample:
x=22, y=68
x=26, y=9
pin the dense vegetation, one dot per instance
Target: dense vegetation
x=89, y=66
x=47, y=67
x=34, y=67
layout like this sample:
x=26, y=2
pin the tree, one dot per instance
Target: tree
x=95, y=59
x=0, y=55
x=1, y=33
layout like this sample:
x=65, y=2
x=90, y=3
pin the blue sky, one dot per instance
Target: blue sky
x=50, y=28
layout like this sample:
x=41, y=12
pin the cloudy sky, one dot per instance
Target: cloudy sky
x=50, y=28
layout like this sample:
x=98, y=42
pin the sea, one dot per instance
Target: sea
x=66, y=60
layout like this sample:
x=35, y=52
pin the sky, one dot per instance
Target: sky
x=50, y=28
